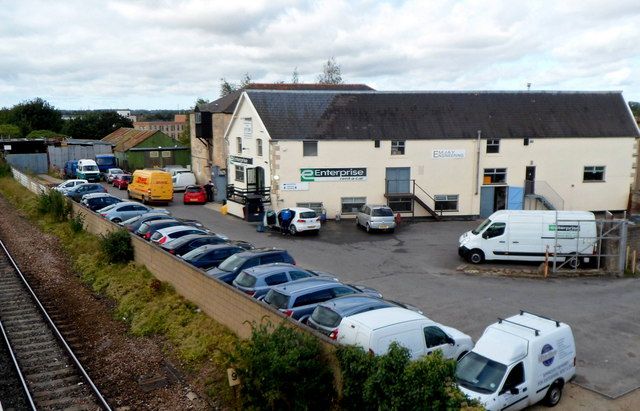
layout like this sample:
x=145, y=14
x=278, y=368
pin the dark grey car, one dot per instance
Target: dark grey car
x=298, y=299
x=78, y=191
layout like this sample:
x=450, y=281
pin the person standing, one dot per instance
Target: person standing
x=286, y=216
x=208, y=189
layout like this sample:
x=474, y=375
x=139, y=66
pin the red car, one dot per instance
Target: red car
x=194, y=194
x=121, y=181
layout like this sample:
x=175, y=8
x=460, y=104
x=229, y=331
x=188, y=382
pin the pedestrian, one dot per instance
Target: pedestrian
x=208, y=188
x=285, y=216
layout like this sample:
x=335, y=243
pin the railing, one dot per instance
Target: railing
x=545, y=193
x=401, y=195
x=240, y=195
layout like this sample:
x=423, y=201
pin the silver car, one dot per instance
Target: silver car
x=376, y=217
x=124, y=211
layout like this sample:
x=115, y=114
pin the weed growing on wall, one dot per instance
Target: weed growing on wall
x=5, y=168
x=117, y=246
x=54, y=204
x=76, y=223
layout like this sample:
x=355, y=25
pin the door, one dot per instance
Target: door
x=486, y=201
x=529, y=180
x=515, y=198
x=398, y=180
x=500, y=198
x=495, y=241
x=513, y=395
x=259, y=179
x=436, y=339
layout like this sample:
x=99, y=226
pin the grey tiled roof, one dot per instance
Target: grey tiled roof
x=441, y=115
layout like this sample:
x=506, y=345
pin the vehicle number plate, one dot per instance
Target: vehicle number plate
x=384, y=226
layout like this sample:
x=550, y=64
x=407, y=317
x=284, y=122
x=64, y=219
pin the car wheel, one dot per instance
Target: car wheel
x=128, y=194
x=292, y=229
x=476, y=256
x=368, y=228
x=357, y=223
x=316, y=232
x=144, y=200
x=304, y=319
x=554, y=395
x=116, y=220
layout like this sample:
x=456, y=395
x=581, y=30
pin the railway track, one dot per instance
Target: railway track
x=49, y=373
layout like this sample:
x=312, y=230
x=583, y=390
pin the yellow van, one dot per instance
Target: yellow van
x=151, y=185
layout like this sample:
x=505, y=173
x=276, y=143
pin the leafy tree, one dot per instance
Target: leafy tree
x=36, y=114
x=44, y=134
x=635, y=108
x=95, y=125
x=331, y=73
x=9, y=131
x=227, y=87
x=294, y=76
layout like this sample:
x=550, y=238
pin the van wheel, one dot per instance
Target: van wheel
x=574, y=263
x=554, y=395
x=476, y=256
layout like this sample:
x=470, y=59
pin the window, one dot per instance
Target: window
x=276, y=279
x=593, y=173
x=434, y=336
x=446, y=202
x=259, y=147
x=309, y=148
x=495, y=175
x=526, y=141
x=397, y=147
x=154, y=154
x=351, y=205
x=273, y=258
x=340, y=291
x=317, y=207
x=493, y=145
x=166, y=154
x=240, y=174
x=297, y=275
x=313, y=298
x=247, y=127
x=495, y=230
x=239, y=145
x=515, y=378
x=198, y=117
x=376, y=143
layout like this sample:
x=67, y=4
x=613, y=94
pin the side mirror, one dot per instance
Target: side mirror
x=514, y=391
x=451, y=341
x=485, y=235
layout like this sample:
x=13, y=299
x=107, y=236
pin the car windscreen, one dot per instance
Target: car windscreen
x=277, y=299
x=479, y=373
x=326, y=317
x=308, y=214
x=232, y=263
x=246, y=280
x=382, y=212
x=125, y=178
x=193, y=189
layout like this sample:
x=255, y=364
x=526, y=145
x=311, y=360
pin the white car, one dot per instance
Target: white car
x=303, y=219
x=68, y=184
x=165, y=235
x=111, y=173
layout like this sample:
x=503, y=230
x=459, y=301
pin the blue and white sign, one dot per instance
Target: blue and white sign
x=547, y=355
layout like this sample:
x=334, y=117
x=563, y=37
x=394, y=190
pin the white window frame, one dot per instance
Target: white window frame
x=594, y=170
x=239, y=145
x=494, y=172
x=398, y=147
x=345, y=201
x=259, y=147
x=493, y=144
x=239, y=173
x=447, y=198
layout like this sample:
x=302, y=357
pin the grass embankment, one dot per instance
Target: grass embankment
x=148, y=306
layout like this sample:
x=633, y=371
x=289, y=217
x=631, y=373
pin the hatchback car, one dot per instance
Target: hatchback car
x=189, y=242
x=327, y=316
x=121, y=181
x=78, y=191
x=298, y=299
x=257, y=281
x=211, y=255
x=147, y=229
x=194, y=195
x=229, y=269
x=111, y=174
x=134, y=223
x=97, y=201
x=376, y=217
x=168, y=234
x=302, y=219
x=124, y=211
x=69, y=184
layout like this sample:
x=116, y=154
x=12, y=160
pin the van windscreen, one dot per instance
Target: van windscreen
x=481, y=227
x=479, y=373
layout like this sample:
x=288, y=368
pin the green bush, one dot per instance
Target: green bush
x=117, y=247
x=55, y=204
x=283, y=369
x=394, y=382
x=76, y=223
x=5, y=168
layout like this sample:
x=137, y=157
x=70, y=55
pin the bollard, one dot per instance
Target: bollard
x=546, y=262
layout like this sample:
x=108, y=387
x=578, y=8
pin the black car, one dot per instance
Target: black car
x=78, y=191
x=183, y=245
x=211, y=255
x=96, y=201
x=147, y=229
x=134, y=223
x=229, y=269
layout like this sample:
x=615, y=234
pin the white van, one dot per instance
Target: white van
x=88, y=170
x=518, y=362
x=376, y=330
x=525, y=235
x=182, y=180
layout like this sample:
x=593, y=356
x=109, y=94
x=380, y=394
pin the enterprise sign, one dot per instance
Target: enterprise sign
x=447, y=153
x=333, y=174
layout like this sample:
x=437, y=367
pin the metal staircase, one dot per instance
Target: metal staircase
x=404, y=202
x=543, y=193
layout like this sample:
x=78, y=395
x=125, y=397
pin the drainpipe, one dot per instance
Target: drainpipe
x=478, y=162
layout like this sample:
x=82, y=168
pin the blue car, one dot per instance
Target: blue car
x=78, y=191
x=229, y=269
x=211, y=255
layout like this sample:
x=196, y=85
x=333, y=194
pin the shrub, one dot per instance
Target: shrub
x=76, y=223
x=5, y=168
x=55, y=204
x=283, y=370
x=117, y=247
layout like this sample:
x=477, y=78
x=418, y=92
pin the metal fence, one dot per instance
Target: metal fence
x=60, y=155
x=35, y=163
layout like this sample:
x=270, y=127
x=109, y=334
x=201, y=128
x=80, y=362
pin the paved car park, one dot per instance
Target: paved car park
x=417, y=265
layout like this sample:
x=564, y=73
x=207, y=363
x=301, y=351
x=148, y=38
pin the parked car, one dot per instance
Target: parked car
x=134, y=223
x=298, y=299
x=189, y=242
x=182, y=180
x=327, y=316
x=194, y=195
x=303, y=219
x=68, y=185
x=124, y=211
x=121, y=181
x=97, y=201
x=229, y=269
x=112, y=173
x=78, y=191
x=211, y=255
x=146, y=230
x=376, y=217
x=175, y=169
x=70, y=168
x=257, y=281
x=375, y=330
x=168, y=234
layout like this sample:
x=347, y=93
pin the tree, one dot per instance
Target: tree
x=44, y=134
x=96, y=125
x=36, y=114
x=227, y=87
x=331, y=73
x=9, y=131
x=635, y=108
x=294, y=76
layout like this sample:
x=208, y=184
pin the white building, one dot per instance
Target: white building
x=432, y=153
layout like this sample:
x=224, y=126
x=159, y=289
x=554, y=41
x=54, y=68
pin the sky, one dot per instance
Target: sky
x=164, y=54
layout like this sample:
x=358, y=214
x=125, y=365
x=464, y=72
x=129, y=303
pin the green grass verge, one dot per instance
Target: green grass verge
x=148, y=306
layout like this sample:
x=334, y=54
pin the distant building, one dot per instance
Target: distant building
x=127, y=114
x=170, y=128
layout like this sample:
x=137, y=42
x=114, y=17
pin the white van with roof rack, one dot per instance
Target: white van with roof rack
x=518, y=362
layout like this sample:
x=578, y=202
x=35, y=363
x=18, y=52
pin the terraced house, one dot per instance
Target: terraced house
x=431, y=153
